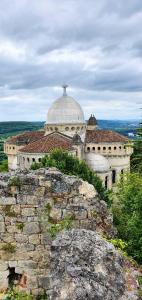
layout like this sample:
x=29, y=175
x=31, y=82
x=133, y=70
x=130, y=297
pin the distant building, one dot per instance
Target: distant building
x=105, y=151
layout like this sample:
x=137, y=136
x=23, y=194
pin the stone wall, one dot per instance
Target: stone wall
x=25, y=245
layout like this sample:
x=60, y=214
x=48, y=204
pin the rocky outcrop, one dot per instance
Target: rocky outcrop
x=84, y=266
x=76, y=264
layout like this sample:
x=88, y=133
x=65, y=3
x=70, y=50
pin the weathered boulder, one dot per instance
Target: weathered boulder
x=84, y=266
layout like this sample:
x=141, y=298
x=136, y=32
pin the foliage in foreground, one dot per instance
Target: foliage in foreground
x=14, y=294
x=127, y=212
x=71, y=165
x=4, y=166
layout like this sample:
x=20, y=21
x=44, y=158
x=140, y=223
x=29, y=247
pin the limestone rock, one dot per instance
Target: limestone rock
x=84, y=266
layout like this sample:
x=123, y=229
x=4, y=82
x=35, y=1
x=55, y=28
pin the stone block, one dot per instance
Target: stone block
x=21, y=238
x=28, y=212
x=2, y=227
x=3, y=284
x=1, y=218
x=7, y=200
x=3, y=266
x=31, y=228
x=19, y=270
x=34, y=239
x=44, y=282
x=12, y=264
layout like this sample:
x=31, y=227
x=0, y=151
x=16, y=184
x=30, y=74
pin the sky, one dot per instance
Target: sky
x=94, y=46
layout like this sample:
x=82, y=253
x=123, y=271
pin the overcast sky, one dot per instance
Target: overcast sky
x=95, y=46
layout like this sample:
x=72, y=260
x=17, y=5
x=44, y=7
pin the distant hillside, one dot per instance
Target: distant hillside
x=13, y=128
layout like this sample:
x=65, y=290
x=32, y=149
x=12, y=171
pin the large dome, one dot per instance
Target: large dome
x=65, y=110
x=97, y=162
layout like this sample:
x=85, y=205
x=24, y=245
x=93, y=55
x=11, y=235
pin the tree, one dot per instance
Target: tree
x=127, y=212
x=71, y=165
x=136, y=159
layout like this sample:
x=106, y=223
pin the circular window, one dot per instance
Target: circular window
x=67, y=128
x=73, y=128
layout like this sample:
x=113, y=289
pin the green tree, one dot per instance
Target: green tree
x=127, y=212
x=4, y=166
x=136, y=159
x=71, y=165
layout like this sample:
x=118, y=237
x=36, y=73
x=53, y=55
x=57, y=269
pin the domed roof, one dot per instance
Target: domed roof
x=65, y=110
x=97, y=162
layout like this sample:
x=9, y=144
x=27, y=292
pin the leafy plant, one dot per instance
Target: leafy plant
x=71, y=165
x=14, y=181
x=64, y=224
x=127, y=213
x=8, y=247
x=8, y=210
x=20, y=226
x=14, y=294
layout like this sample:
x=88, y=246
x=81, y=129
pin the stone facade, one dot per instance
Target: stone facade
x=24, y=246
x=76, y=264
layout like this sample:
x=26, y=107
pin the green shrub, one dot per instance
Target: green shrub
x=4, y=166
x=8, y=247
x=20, y=226
x=9, y=212
x=13, y=294
x=14, y=181
x=71, y=165
x=127, y=213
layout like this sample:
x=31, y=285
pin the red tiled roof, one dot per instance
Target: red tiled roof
x=48, y=143
x=25, y=137
x=108, y=136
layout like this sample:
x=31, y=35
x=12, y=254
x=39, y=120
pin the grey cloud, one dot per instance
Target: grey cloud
x=106, y=32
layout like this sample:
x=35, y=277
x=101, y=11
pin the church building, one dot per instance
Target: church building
x=106, y=152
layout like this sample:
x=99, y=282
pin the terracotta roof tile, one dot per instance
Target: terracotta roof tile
x=48, y=143
x=108, y=136
x=25, y=137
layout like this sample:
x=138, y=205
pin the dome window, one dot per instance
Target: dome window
x=73, y=128
x=67, y=128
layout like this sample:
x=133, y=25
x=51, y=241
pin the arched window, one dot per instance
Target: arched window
x=39, y=159
x=33, y=159
x=104, y=148
x=114, y=148
x=122, y=171
x=88, y=149
x=28, y=159
x=113, y=176
x=120, y=147
x=109, y=148
x=99, y=148
x=106, y=182
x=93, y=148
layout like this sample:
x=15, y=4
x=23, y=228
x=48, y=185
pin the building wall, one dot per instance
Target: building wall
x=22, y=213
x=109, y=149
x=11, y=150
x=25, y=160
x=68, y=129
